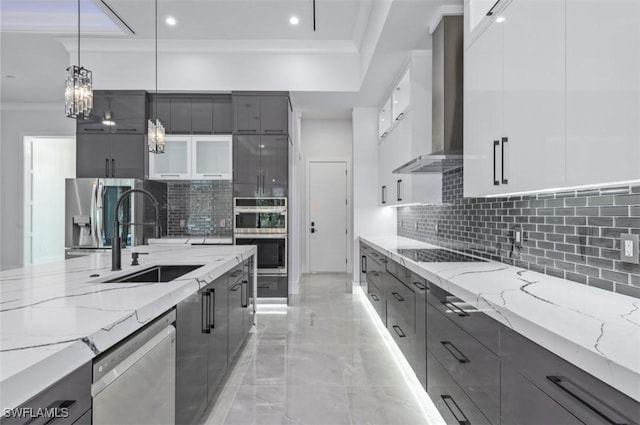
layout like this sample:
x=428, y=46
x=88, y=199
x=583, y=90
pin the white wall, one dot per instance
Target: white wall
x=369, y=219
x=323, y=139
x=295, y=164
x=16, y=122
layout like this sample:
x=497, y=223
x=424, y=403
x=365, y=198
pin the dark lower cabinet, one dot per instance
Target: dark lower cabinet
x=478, y=371
x=452, y=402
x=272, y=286
x=70, y=397
x=471, y=365
x=192, y=356
x=218, y=341
x=581, y=394
x=235, y=317
x=522, y=403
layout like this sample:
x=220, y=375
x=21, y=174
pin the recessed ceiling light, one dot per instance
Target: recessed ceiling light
x=294, y=20
x=500, y=19
x=171, y=21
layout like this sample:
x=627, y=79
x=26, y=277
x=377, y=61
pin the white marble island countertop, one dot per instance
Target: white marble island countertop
x=596, y=330
x=56, y=317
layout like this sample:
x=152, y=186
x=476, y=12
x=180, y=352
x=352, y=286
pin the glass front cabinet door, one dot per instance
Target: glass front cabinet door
x=211, y=157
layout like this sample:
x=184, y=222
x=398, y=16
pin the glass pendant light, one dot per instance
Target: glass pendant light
x=78, y=93
x=155, y=130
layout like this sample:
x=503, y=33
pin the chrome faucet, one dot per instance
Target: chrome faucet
x=116, y=243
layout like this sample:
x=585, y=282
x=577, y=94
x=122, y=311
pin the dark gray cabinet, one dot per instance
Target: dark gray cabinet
x=260, y=165
x=474, y=368
x=238, y=305
x=274, y=114
x=582, y=395
x=246, y=114
x=218, y=339
x=181, y=115
x=192, y=356
x=192, y=114
x=111, y=155
x=71, y=394
x=266, y=113
x=116, y=112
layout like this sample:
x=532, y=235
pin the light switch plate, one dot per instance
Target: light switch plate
x=629, y=248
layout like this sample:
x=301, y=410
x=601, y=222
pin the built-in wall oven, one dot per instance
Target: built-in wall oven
x=263, y=222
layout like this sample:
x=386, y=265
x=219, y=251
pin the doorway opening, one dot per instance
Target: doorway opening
x=48, y=161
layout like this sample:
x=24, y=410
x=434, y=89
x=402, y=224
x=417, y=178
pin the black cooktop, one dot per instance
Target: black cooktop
x=436, y=255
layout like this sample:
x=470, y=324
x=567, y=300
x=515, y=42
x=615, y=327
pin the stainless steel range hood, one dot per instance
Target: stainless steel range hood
x=447, y=88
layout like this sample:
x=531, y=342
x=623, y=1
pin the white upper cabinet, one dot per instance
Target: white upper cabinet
x=603, y=91
x=407, y=137
x=401, y=96
x=212, y=158
x=478, y=16
x=384, y=119
x=534, y=95
x=483, y=118
x=193, y=158
x=175, y=162
x=515, y=102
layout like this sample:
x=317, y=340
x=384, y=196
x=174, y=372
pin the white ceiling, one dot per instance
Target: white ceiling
x=381, y=32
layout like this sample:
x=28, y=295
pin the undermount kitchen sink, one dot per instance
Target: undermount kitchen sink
x=156, y=274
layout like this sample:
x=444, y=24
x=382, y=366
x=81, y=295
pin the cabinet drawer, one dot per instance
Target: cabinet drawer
x=237, y=273
x=479, y=325
x=474, y=367
x=401, y=305
x=522, y=403
x=374, y=294
x=453, y=404
x=585, y=396
x=71, y=395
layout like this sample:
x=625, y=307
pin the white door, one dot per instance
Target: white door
x=327, y=226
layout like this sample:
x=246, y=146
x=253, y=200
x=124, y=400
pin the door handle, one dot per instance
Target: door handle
x=375, y=297
x=399, y=189
x=263, y=184
x=399, y=331
x=212, y=291
x=490, y=12
x=419, y=285
x=113, y=167
x=236, y=273
x=384, y=194
x=588, y=400
x=461, y=358
x=363, y=264
x=460, y=312
x=313, y=230
x=505, y=140
x=496, y=182
x=397, y=296
x=204, y=312
x=244, y=302
x=258, y=184
x=457, y=413
x=106, y=167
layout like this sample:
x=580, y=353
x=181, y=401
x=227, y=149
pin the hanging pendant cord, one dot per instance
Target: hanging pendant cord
x=155, y=102
x=78, y=33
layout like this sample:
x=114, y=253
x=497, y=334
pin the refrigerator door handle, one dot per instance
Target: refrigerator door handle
x=100, y=214
x=94, y=214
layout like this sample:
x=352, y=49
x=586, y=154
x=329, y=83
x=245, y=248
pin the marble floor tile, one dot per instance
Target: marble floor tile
x=324, y=362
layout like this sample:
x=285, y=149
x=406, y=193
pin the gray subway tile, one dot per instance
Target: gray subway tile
x=600, y=283
x=629, y=290
x=615, y=276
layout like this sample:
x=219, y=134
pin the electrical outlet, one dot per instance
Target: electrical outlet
x=415, y=225
x=629, y=248
x=517, y=236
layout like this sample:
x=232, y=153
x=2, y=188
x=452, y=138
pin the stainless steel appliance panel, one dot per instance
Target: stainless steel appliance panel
x=272, y=251
x=89, y=205
x=135, y=382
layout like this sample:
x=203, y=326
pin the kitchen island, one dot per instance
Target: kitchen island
x=56, y=317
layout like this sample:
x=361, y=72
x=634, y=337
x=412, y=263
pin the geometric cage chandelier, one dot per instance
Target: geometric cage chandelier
x=78, y=92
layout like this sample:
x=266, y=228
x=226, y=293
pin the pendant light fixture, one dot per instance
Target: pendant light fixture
x=156, y=133
x=78, y=92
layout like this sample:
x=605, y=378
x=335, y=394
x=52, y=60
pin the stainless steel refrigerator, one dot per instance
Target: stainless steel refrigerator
x=89, y=213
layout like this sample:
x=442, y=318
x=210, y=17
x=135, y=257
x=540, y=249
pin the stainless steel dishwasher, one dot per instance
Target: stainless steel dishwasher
x=134, y=382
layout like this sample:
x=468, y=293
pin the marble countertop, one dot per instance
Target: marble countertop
x=56, y=317
x=190, y=240
x=596, y=330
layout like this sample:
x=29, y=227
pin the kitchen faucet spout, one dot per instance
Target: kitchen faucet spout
x=116, y=243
